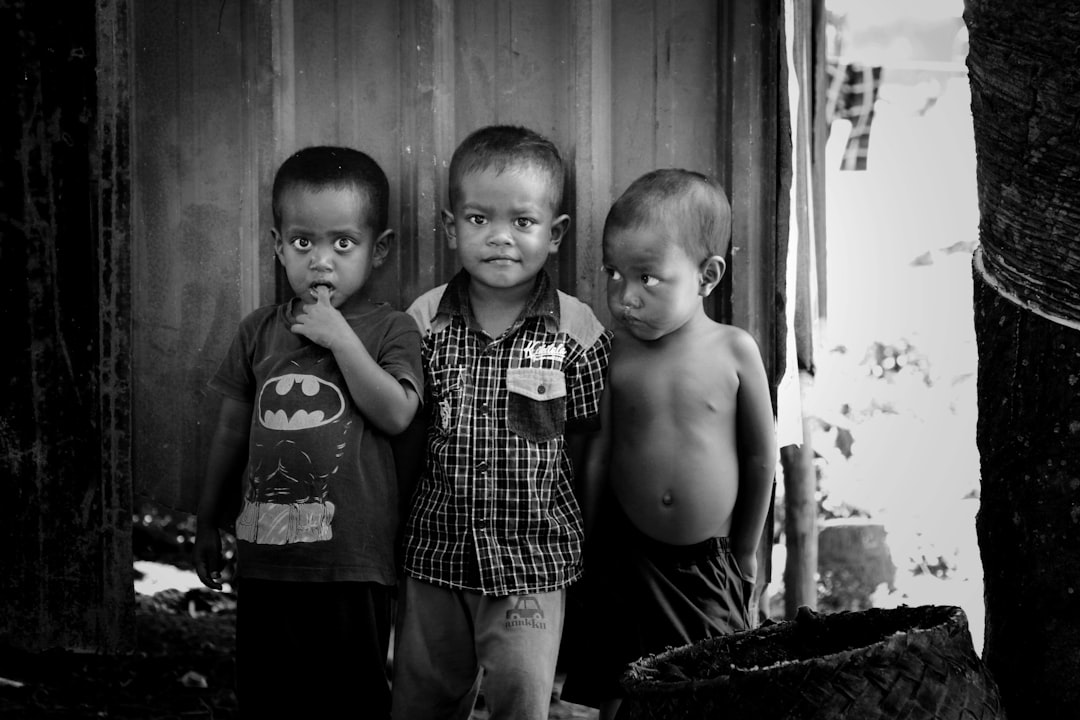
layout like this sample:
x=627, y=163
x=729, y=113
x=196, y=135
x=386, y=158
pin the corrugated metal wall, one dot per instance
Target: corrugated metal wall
x=226, y=90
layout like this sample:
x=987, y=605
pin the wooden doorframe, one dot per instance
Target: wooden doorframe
x=750, y=73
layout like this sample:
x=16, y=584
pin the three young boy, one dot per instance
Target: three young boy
x=513, y=375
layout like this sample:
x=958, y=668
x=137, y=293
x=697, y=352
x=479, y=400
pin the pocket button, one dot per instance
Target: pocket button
x=541, y=389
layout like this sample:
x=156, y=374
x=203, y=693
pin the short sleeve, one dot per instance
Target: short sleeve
x=235, y=376
x=585, y=381
x=399, y=353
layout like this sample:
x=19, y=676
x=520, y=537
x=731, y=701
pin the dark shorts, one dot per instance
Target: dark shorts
x=641, y=596
x=309, y=649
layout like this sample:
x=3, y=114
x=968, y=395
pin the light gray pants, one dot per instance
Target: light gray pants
x=448, y=642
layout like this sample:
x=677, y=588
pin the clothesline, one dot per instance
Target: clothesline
x=943, y=66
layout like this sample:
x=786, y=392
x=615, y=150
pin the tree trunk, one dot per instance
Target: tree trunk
x=1025, y=80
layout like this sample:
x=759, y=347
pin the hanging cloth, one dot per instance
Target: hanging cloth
x=851, y=94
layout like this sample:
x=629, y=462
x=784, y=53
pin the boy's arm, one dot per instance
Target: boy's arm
x=756, y=438
x=221, y=486
x=587, y=407
x=592, y=458
x=410, y=458
x=385, y=401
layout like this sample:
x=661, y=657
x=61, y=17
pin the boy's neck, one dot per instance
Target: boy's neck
x=496, y=309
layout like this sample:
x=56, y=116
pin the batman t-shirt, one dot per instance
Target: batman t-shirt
x=319, y=490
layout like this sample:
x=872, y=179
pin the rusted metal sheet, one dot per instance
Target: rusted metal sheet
x=227, y=91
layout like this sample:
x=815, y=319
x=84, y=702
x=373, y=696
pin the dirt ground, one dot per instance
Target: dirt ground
x=182, y=670
x=182, y=667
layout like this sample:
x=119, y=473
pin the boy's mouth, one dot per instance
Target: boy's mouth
x=500, y=260
x=313, y=288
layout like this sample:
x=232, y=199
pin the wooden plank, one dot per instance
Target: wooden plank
x=633, y=87
x=196, y=190
x=591, y=149
x=427, y=127
x=257, y=264
x=284, y=63
x=686, y=94
x=315, y=73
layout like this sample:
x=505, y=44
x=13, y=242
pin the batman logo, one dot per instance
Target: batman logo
x=299, y=402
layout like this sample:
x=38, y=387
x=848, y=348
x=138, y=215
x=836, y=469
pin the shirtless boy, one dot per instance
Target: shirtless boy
x=688, y=449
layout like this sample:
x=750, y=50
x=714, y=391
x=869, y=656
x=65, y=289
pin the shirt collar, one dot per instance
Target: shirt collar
x=543, y=302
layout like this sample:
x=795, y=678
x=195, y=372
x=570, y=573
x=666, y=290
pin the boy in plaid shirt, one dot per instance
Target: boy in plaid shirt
x=514, y=367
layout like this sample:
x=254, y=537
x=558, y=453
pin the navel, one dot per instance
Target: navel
x=667, y=499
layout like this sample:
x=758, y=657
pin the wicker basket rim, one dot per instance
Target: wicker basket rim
x=950, y=614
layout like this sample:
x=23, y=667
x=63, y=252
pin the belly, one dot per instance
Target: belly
x=677, y=492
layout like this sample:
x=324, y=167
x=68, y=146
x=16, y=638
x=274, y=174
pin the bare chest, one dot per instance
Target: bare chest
x=671, y=387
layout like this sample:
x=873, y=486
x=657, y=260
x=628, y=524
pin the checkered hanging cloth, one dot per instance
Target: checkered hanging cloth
x=852, y=91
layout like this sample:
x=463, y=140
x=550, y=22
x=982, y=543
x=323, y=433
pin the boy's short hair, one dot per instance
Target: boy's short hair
x=502, y=147
x=690, y=202
x=325, y=166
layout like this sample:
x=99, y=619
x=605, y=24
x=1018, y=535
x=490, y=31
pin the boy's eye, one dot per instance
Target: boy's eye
x=523, y=223
x=649, y=281
x=476, y=219
x=612, y=273
x=300, y=243
x=344, y=242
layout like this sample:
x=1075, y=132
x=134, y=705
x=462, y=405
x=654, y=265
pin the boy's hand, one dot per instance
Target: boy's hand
x=208, y=555
x=747, y=565
x=320, y=322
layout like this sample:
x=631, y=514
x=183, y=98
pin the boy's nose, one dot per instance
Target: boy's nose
x=500, y=235
x=320, y=258
x=628, y=298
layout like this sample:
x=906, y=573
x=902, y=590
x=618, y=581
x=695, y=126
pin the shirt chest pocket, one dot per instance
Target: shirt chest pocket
x=536, y=402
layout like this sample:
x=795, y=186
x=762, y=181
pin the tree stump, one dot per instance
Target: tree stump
x=853, y=560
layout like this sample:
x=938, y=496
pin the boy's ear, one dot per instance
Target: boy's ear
x=277, y=244
x=450, y=228
x=559, y=226
x=382, y=247
x=712, y=269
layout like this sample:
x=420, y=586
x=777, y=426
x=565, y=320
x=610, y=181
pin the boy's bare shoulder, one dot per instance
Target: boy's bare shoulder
x=735, y=342
x=719, y=339
x=734, y=337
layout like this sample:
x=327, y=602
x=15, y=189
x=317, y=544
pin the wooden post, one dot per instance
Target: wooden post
x=800, y=525
x=65, y=451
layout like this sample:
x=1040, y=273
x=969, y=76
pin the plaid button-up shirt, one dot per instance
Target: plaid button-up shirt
x=495, y=510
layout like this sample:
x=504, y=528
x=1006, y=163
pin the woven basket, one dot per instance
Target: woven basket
x=908, y=662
